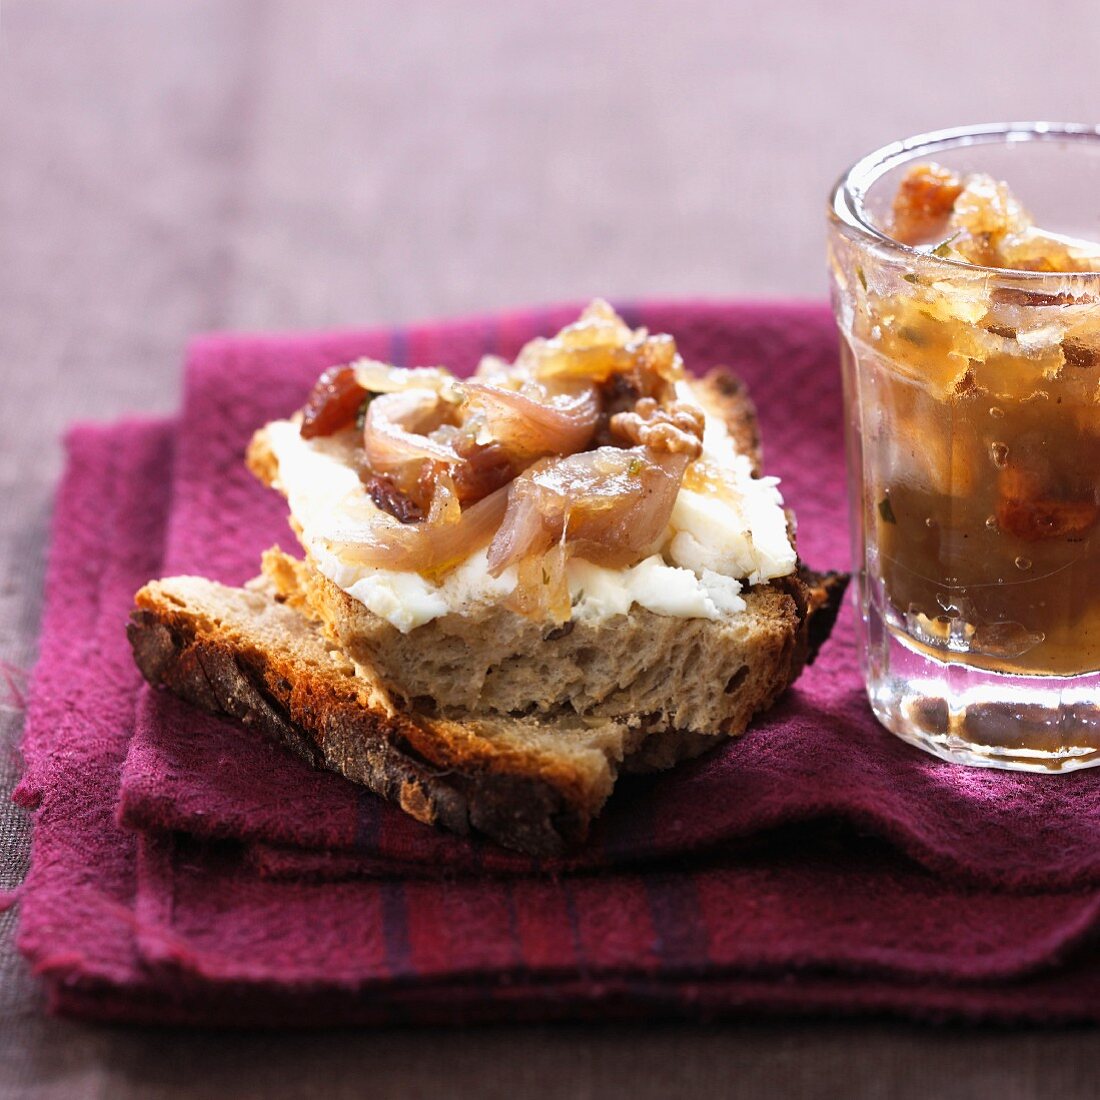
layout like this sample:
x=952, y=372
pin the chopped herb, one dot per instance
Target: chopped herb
x=912, y=277
x=545, y=576
x=361, y=415
x=914, y=336
x=861, y=277
x=944, y=247
x=635, y=467
x=886, y=511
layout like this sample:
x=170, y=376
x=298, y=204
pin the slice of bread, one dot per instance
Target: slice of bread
x=532, y=784
x=698, y=676
x=246, y=654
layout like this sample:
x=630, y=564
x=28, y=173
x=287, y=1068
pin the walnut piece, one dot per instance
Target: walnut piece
x=676, y=428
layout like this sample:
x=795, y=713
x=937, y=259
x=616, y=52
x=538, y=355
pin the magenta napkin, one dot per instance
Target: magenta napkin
x=155, y=926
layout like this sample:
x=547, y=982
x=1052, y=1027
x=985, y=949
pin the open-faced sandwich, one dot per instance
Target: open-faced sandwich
x=515, y=586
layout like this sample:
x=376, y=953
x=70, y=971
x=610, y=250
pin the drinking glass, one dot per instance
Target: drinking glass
x=972, y=401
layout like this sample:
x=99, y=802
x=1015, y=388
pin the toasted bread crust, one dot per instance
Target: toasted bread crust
x=727, y=395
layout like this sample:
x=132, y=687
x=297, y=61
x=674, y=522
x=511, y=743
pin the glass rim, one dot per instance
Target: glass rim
x=850, y=190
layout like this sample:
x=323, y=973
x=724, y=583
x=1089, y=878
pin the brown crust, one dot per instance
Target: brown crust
x=313, y=691
x=260, y=458
x=821, y=595
x=727, y=393
x=335, y=730
x=825, y=600
x=443, y=743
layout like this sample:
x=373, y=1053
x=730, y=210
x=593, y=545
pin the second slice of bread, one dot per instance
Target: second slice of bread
x=247, y=654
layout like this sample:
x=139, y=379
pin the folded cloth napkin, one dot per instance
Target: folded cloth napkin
x=151, y=926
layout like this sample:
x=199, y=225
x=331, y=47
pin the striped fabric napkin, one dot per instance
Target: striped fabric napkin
x=185, y=871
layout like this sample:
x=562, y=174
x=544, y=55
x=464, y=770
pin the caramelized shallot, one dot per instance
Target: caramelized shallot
x=610, y=504
x=382, y=378
x=432, y=547
x=396, y=427
x=526, y=428
x=513, y=457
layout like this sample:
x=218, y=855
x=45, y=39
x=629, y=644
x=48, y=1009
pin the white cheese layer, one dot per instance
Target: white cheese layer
x=733, y=529
x=738, y=528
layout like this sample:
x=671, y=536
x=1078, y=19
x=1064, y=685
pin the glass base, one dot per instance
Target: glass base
x=982, y=719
